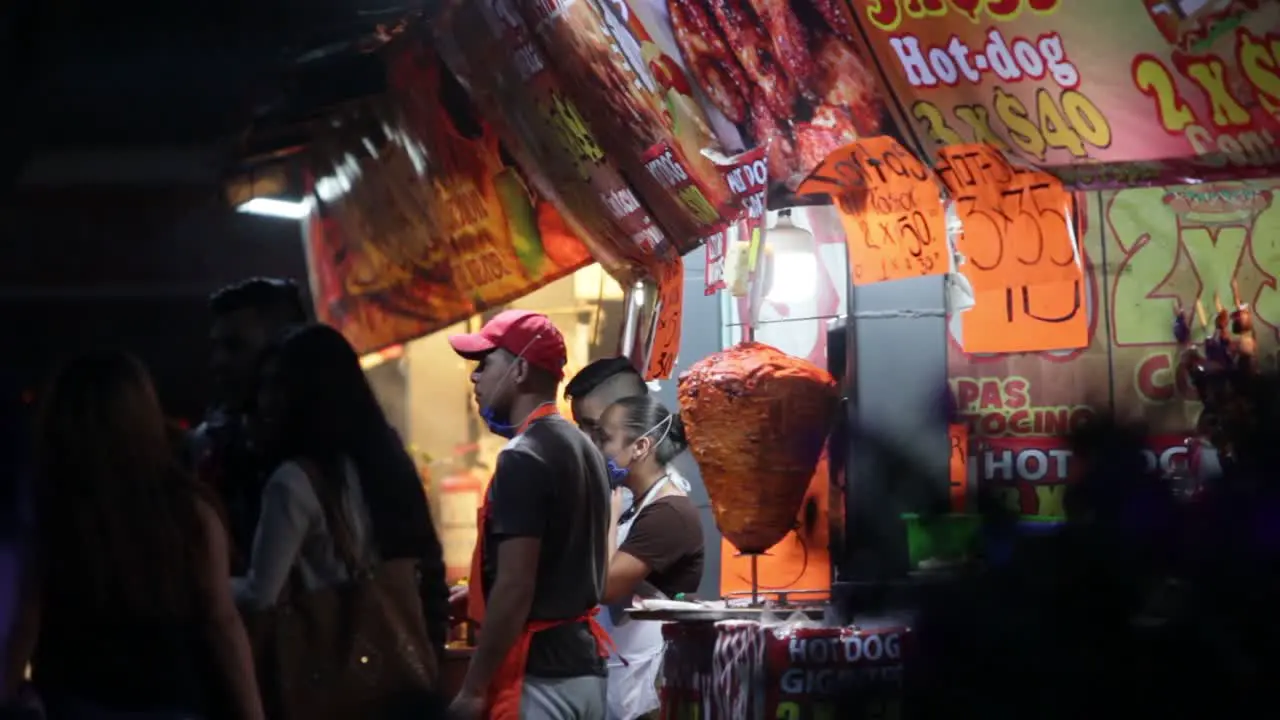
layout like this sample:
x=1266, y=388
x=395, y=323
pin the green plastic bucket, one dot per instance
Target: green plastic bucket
x=949, y=539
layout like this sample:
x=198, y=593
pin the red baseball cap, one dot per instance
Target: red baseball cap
x=524, y=333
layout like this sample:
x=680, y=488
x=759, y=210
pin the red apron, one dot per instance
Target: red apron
x=507, y=687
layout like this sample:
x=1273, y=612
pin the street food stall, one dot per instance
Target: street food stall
x=940, y=235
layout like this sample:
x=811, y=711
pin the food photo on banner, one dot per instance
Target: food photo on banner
x=510, y=79
x=662, y=80
x=422, y=218
x=1102, y=93
x=645, y=121
x=1149, y=252
x=793, y=73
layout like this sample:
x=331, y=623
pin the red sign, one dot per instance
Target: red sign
x=668, y=319
x=687, y=680
x=810, y=672
x=1098, y=92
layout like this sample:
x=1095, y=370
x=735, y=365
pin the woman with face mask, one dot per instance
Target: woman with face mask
x=658, y=546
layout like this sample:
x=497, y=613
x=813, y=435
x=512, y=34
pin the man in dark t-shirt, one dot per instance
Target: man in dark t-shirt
x=542, y=553
x=538, y=491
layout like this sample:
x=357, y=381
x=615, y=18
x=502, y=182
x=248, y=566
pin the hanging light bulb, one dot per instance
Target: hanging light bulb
x=793, y=262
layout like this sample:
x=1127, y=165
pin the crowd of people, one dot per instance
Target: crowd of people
x=598, y=526
x=152, y=573
x=162, y=574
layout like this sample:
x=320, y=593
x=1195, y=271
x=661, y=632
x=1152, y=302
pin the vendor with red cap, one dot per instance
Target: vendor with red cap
x=541, y=557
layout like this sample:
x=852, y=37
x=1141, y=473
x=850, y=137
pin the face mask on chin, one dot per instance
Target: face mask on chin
x=497, y=425
x=499, y=421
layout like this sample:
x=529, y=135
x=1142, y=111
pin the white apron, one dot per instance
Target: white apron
x=633, y=687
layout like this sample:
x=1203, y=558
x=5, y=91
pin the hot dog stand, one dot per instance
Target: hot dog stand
x=1000, y=232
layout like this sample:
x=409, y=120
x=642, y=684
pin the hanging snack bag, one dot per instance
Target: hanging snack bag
x=747, y=177
x=492, y=51
x=647, y=121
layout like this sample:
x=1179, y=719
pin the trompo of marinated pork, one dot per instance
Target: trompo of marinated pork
x=757, y=420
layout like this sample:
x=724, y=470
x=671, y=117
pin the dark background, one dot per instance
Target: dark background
x=121, y=123
x=129, y=267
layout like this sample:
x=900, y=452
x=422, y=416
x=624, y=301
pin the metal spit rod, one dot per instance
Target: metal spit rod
x=755, y=579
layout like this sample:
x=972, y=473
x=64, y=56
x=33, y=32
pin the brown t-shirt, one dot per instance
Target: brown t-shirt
x=667, y=536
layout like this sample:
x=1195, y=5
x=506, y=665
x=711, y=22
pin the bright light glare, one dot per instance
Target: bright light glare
x=795, y=278
x=271, y=207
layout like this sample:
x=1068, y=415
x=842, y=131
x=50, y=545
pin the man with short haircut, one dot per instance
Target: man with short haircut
x=246, y=317
x=601, y=384
x=539, y=568
x=591, y=392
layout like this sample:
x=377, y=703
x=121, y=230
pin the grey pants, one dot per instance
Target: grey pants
x=578, y=698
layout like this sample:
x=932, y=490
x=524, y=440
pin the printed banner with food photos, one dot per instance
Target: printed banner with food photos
x=1149, y=251
x=422, y=220
x=1103, y=93
x=638, y=107
x=510, y=79
x=793, y=73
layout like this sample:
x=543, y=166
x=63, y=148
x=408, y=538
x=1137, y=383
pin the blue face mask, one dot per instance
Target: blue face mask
x=618, y=474
x=489, y=415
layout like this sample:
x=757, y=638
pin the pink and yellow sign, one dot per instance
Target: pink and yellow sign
x=1099, y=92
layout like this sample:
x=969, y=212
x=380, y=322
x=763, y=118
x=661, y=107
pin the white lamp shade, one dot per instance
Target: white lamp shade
x=794, y=258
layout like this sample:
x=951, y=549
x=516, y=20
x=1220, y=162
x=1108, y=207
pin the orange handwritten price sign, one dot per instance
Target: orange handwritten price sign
x=1016, y=227
x=959, y=473
x=668, y=317
x=1035, y=318
x=890, y=207
x=1019, y=254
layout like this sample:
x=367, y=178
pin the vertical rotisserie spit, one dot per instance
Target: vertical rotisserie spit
x=757, y=420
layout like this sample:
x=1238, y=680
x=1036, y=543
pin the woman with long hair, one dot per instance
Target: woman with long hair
x=123, y=604
x=344, y=487
x=658, y=545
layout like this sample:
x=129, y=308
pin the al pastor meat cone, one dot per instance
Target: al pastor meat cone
x=757, y=420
